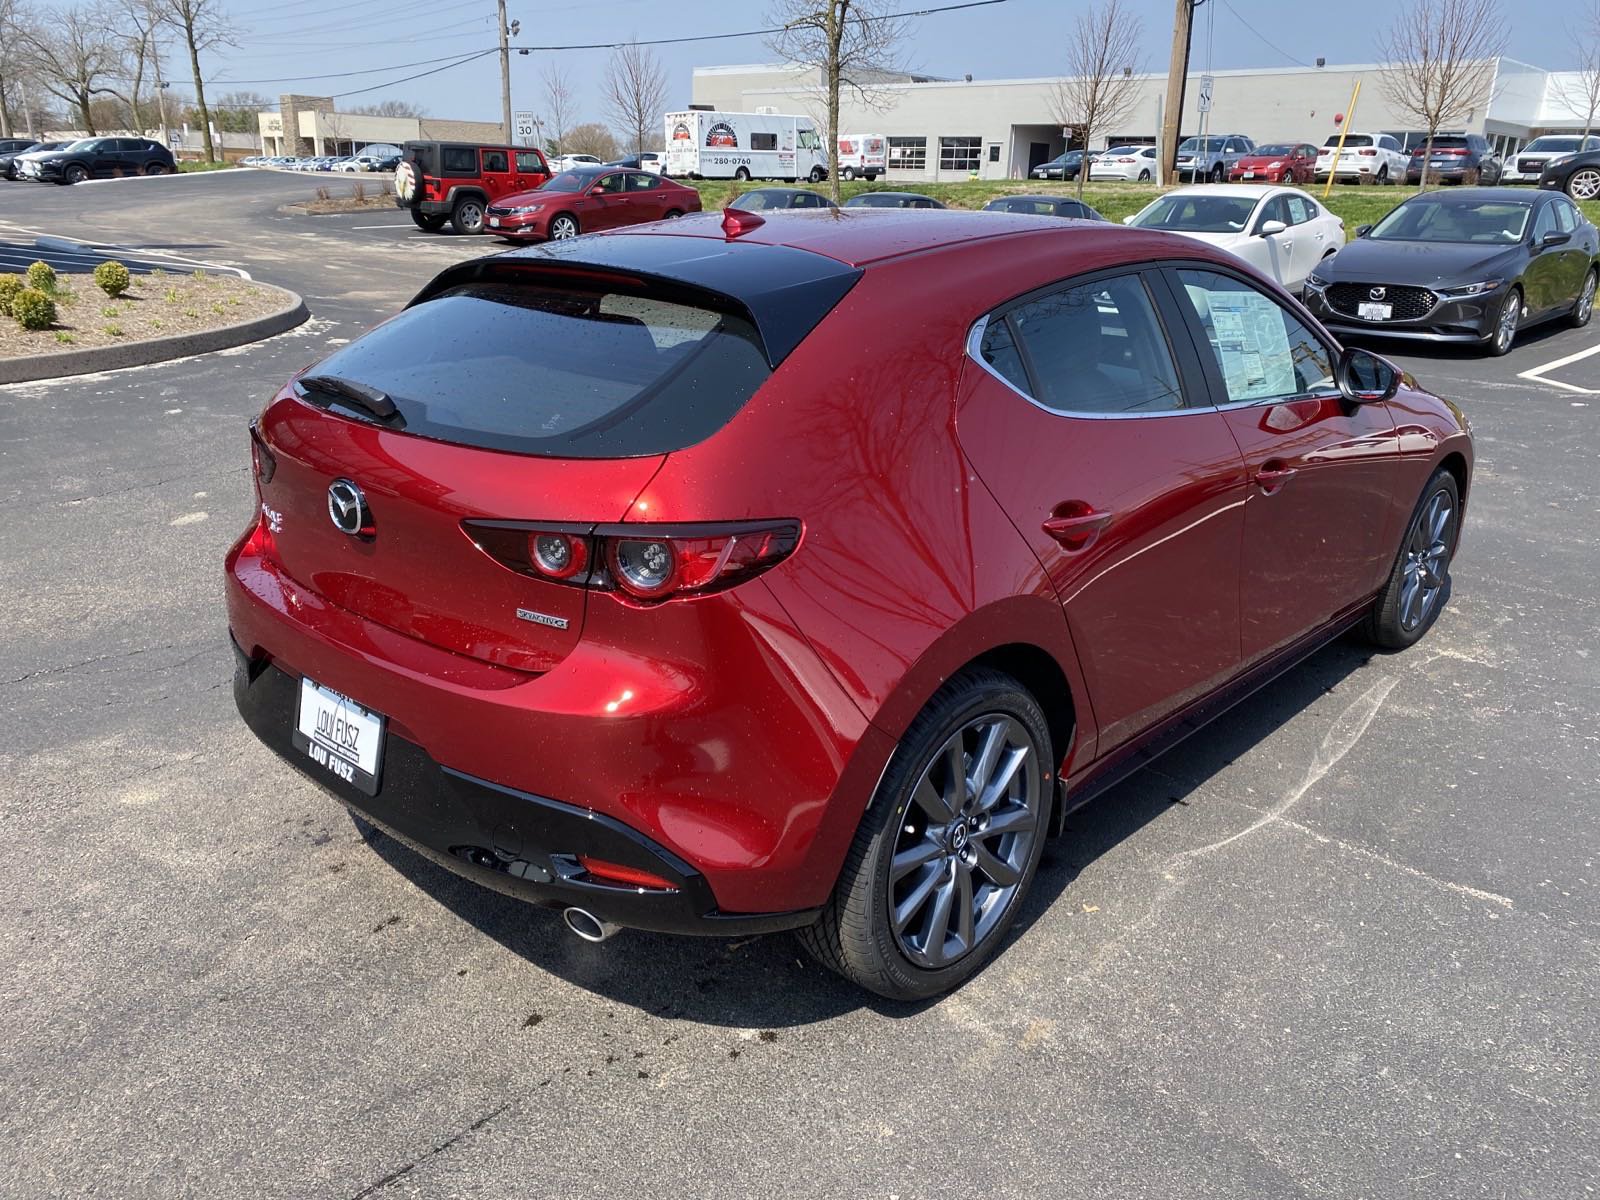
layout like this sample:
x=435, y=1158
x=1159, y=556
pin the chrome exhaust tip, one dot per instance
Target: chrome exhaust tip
x=588, y=926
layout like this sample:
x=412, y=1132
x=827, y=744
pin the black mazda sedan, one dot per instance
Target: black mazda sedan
x=1472, y=266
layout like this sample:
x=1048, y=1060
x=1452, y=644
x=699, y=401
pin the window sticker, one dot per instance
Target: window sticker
x=1252, y=344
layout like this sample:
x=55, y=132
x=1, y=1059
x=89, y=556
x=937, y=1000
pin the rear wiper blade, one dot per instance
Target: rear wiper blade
x=374, y=400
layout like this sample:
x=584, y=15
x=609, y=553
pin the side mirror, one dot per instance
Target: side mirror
x=1364, y=378
x=1556, y=238
x=1363, y=230
x=1128, y=220
x=1268, y=228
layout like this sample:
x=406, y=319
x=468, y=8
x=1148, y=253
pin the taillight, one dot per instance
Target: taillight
x=648, y=563
x=1366, y=153
x=261, y=459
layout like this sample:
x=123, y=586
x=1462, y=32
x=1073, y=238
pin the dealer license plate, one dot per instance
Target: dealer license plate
x=1369, y=311
x=494, y=222
x=339, y=735
x=1249, y=174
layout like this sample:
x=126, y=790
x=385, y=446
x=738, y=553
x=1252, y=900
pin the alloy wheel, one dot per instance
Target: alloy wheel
x=562, y=228
x=1505, y=330
x=1584, y=184
x=1427, y=561
x=964, y=841
x=1586, y=300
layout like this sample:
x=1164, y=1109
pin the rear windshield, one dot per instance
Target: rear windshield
x=1196, y=212
x=1444, y=139
x=1351, y=139
x=562, y=370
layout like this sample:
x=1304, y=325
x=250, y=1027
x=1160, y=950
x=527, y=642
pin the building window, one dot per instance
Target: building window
x=908, y=154
x=994, y=152
x=959, y=153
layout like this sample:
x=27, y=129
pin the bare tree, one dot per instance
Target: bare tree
x=392, y=108
x=635, y=92
x=1101, y=88
x=559, y=103
x=1438, y=67
x=8, y=70
x=139, y=27
x=202, y=25
x=74, y=56
x=849, y=44
x=1581, y=93
x=592, y=138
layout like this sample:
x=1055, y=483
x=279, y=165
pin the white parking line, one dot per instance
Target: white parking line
x=1537, y=373
x=393, y=225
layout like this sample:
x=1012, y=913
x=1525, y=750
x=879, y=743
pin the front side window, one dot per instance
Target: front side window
x=609, y=183
x=1094, y=349
x=1275, y=209
x=1261, y=351
x=529, y=163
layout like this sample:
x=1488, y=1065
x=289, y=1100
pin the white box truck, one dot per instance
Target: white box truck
x=730, y=145
x=862, y=155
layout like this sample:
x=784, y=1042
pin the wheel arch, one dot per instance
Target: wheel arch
x=1456, y=463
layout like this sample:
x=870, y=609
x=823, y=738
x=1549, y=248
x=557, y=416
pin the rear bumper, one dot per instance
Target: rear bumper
x=428, y=208
x=522, y=845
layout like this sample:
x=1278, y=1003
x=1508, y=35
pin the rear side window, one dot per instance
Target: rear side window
x=643, y=182
x=574, y=372
x=1095, y=349
x=460, y=160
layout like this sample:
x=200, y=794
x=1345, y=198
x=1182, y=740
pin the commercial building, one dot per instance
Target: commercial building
x=312, y=125
x=1001, y=128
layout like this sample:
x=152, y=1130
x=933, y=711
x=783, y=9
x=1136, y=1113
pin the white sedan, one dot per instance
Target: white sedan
x=1282, y=232
x=1136, y=163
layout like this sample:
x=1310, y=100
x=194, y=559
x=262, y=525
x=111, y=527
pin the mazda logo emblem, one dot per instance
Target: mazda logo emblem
x=1378, y=293
x=347, y=509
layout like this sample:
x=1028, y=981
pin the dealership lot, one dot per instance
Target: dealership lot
x=1343, y=943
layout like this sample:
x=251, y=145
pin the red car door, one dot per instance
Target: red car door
x=1322, y=472
x=605, y=204
x=1097, y=436
x=498, y=180
x=530, y=170
x=646, y=201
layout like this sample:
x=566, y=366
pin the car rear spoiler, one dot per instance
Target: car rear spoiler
x=786, y=291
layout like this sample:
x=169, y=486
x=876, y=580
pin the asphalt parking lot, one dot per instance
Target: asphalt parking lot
x=1345, y=943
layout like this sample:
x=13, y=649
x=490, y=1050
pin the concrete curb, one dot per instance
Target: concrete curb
x=153, y=350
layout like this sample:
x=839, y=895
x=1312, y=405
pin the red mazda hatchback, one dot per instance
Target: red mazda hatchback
x=742, y=575
x=589, y=201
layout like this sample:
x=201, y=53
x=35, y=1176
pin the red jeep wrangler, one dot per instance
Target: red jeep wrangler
x=458, y=180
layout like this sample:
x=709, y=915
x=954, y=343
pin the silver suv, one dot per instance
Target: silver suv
x=1211, y=157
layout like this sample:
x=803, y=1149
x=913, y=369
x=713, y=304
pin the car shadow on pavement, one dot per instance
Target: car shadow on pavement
x=768, y=982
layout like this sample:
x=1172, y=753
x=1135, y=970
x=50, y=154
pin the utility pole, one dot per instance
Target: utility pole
x=1177, y=77
x=161, y=96
x=505, y=74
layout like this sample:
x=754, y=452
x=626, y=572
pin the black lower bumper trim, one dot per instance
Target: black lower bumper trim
x=523, y=845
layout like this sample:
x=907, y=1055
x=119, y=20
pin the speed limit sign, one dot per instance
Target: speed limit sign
x=522, y=123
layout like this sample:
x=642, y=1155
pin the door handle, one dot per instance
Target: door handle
x=1077, y=527
x=1272, y=477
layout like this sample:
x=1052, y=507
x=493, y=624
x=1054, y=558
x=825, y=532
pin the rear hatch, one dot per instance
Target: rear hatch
x=511, y=397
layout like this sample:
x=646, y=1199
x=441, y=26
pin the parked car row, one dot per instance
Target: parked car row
x=368, y=160
x=84, y=158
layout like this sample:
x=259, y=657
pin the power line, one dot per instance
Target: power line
x=1262, y=38
x=350, y=74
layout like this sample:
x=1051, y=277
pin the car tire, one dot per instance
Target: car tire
x=74, y=173
x=1506, y=322
x=156, y=168
x=1419, y=583
x=467, y=216
x=426, y=221
x=818, y=174
x=1584, y=183
x=672, y=215
x=1144, y=176
x=742, y=174
x=949, y=894
x=1383, y=175
x=847, y=175
x=1216, y=173
x=1583, y=307
x=563, y=226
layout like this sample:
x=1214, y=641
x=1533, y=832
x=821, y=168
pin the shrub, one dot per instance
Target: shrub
x=172, y=295
x=112, y=278
x=10, y=285
x=42, y=277
x=33, y=309
x=64, y=337
x=358, y=193
x=114, y=330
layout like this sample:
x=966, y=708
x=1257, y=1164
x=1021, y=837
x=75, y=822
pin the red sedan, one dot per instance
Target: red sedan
x=803, y=570
x=1285, y=162
x=587, y=201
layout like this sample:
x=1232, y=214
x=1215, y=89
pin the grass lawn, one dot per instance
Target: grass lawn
x=1354, y=204
x=196, y=165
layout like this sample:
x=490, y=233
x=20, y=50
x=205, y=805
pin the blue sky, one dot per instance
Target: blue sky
x=299, y=38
